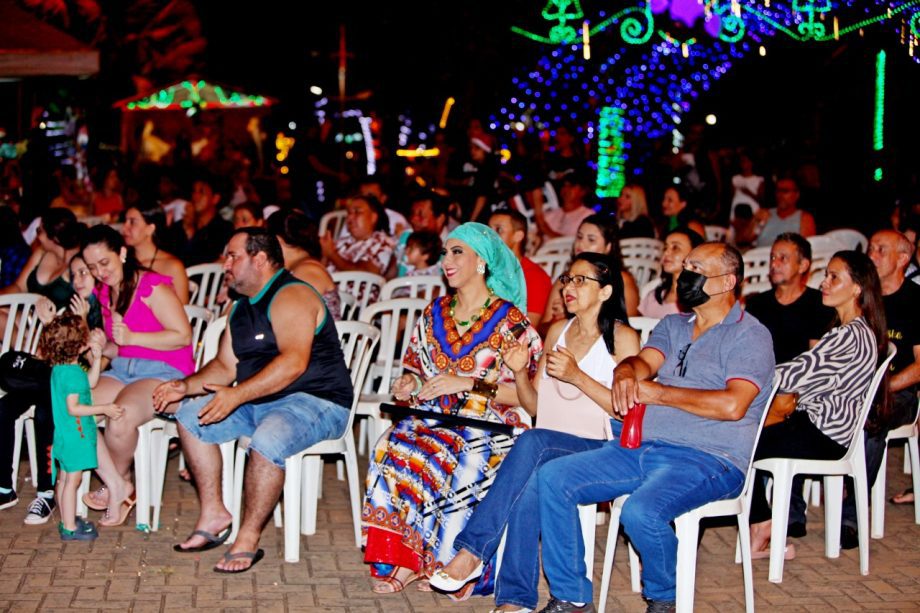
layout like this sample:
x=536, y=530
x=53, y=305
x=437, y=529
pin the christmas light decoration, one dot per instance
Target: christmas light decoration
x=611, y=161
x=192, y=96
x=878, y=125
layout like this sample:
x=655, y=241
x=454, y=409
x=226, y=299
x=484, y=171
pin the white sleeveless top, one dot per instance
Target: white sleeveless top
x=563, y=407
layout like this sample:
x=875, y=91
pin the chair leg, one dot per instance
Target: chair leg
x=312, y=473
x=862, y=511
x=833, y=505
x=877, y=510
x=159, y=455
x=635, y=570
x=17, y=449
x=363, y=437
x=782, y=491
x=239, y=470
x=744, y=549
x=351, y=467
x=82, y=509
x=688, y=532
x=227, y=453
x=587, y=515
x=293, y=473
x=609, y=555
x=142, y=476
x=30, y=445
x=912, y=448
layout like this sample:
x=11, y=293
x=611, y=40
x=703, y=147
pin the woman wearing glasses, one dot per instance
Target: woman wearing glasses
x=829, y=382
x=570, y=394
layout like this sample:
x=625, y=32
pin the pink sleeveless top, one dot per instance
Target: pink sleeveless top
x=563, y=407
x=139, y=318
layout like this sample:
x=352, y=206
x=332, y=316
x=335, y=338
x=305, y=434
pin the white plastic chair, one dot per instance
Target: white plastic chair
x=757, y=264
x=554, y=264
x=755, y=287
x=687, y=527
x=645, y=248
x=853, y=463
x=560, y=244
x=205, y=281
x=644, y=326
x=425, y=287
x=332, y=222
x=822, y=243
x=716, y=233
x=364, y=286
x=908, y=432
x=347, y=305
x=396, y=320
x=22, y=332
x=303, y=470
x=644, y=270
x=849, y=238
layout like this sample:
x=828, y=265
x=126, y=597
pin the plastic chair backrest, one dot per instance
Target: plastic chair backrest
x=362, y=285
x=332, y=222
x=23, y=328
x=396, y=319
x=427, y=287
x=211, y=340
x=757, y=264
x=857, y=441
x=199, y=318
x=644, y=326
x=205, y=281
x=347, y=306
x=643, y=248
x=358, y=340
x=560, y=244
x=849, y=238
x=643, y=270
x=716, y=233
x=554, y=264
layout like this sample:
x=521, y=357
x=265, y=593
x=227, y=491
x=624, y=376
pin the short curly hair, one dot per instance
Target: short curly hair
x=64, y=339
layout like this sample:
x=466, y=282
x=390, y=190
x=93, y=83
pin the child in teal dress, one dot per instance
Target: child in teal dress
x=63, y=342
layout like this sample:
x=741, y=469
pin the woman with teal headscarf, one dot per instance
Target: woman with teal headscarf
x=425, y=476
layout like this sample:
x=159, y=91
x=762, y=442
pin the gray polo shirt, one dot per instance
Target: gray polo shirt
x=739, y=347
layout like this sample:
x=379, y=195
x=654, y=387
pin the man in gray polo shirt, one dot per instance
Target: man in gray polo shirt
x=714, y=370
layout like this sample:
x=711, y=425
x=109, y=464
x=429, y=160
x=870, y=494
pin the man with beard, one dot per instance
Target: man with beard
x=293, y=390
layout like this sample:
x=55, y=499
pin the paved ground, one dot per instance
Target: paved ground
x=132, y=571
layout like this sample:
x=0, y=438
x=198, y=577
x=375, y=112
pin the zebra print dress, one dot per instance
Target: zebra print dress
x=832, y=378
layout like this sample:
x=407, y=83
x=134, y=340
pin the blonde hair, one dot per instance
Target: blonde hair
x=636, y=195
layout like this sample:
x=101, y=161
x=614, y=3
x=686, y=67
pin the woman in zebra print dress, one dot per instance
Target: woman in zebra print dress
x=829, y=381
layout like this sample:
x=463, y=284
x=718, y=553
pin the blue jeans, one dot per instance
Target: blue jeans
x=278, y=428
x=512, y=502
x=664, y=481
x=129, y=370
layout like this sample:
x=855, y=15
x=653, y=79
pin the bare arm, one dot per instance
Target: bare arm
x=909, y=375
x=729, y=404
x=808, y=225
x=630, y=294
x=75, y=408
x=176, y=271
x=517, y=358
x=176, y=332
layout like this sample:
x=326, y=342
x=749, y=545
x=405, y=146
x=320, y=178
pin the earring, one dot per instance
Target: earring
x=124, y=259
x=481, y=268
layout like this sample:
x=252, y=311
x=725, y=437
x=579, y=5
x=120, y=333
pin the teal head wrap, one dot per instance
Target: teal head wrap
x=504, y=275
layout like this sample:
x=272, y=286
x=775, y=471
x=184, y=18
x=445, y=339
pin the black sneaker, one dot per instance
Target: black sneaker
x=8, y=499
x=660, y=606
x=849, y=537
x=39, y=511
x=560, y=606
x=85, y=531
x=796, y=530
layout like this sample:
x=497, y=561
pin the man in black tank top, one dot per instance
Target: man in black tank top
x=293, y=390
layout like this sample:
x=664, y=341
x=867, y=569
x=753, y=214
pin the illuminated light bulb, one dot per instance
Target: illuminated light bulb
x=285, y=170
x=316, y=90
x=762, y=51
x=292, y=125
x=711, y=119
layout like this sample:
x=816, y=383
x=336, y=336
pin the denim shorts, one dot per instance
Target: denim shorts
x=129, y=370
x=278, y=428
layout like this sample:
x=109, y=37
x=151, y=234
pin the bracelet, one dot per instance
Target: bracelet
x=483, y=388
x=418, y=385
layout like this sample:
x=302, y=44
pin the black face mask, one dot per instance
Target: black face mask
x=690, y=288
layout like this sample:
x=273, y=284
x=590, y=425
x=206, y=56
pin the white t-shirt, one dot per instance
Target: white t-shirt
x=752, y=183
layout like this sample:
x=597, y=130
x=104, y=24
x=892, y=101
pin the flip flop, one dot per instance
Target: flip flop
x=788, y=553
x=393, y=582
x=90, y=502
x=908, y=492
x=254, y=556
x=124, y=509
x=211, y=541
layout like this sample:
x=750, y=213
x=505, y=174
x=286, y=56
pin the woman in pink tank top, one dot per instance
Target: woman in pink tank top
x=149, y=341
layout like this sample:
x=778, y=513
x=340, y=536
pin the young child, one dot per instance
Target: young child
x=423, y=252
x=62, y=343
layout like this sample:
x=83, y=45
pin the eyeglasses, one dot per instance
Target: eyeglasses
x=681, y=369
x=576, y=280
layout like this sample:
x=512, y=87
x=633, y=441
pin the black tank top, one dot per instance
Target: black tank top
x=57, y=290
x=255, y=345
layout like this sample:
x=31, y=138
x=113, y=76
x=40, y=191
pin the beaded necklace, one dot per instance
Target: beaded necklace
x=474, y=318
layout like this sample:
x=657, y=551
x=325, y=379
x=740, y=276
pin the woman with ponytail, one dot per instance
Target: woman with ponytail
x=571, y=394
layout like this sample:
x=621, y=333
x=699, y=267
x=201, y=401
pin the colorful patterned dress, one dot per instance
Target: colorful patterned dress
x=425, y=479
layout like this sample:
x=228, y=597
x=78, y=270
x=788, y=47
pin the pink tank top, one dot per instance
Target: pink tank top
x=563, y=407
x=139, y=318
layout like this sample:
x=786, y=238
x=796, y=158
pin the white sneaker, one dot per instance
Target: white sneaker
x=39, y=511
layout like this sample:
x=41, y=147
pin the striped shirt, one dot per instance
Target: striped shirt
x=832, y=378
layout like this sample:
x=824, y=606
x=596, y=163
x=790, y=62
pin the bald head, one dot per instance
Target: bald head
x=890, y=251
x=720, y=262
